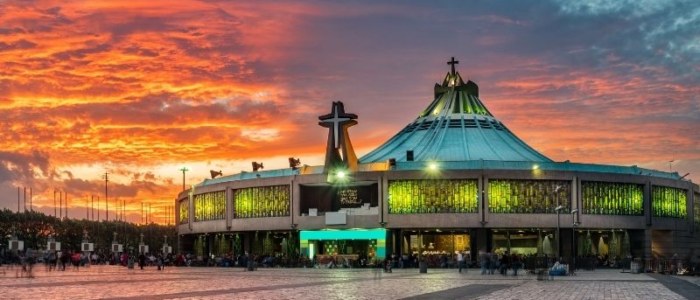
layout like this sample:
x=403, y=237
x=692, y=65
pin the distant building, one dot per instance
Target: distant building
x=454, y=179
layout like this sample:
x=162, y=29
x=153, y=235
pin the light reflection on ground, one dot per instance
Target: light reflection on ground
x=112, y=282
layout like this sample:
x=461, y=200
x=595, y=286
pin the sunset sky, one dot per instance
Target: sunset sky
x=140, y=89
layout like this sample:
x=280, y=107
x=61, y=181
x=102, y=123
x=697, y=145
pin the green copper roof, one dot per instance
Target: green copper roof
x=456, y=126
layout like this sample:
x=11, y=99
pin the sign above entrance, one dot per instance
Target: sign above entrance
x=348, y=197
x=331, y=198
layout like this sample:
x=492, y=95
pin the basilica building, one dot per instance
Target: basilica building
x=454, y=179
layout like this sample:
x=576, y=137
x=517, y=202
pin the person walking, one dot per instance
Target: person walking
x=493, y=262
x=65, y=257
x=52, y=260
x=460, y=261
x=505, y=263
x=515, y=263
x=142, y=260
x=467, y=257
x=483, y=262
x=75, y=260
x=159, y=262
x=387, y=265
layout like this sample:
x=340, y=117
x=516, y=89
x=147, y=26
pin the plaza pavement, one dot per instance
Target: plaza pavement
x=113, y=282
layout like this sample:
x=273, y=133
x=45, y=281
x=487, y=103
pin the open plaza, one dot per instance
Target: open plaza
x=114, y=282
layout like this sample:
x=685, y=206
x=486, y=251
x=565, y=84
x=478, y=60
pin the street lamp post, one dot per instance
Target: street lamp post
x=558, y=210
x=106, y=201
x=184, y=169
x=573, y=239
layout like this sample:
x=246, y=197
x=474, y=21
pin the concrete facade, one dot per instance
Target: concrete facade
x=650, y=236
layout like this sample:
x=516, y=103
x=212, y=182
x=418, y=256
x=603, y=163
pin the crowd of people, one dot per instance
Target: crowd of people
x=503, y=262
x=64, y=259
x=489, y=262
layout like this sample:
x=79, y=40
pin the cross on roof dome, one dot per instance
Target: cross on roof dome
x=452, y=63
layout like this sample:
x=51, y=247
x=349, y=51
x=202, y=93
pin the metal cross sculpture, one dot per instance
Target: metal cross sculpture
x=338, y=122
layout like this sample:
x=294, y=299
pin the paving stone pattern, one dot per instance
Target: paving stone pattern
x=113, y=282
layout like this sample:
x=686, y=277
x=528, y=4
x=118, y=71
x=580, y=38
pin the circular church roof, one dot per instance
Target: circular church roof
x=456, y=126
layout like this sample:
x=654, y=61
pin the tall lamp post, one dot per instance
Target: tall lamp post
x=558, y=210
x=184, y=169
x=573, y=239
x=106, y=202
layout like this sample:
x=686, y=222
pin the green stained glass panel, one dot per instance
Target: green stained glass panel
x=528, y=196
x=184, y=208
x=261, y=202
x=669, y=202
x=209, y=206
x=612, y=198
x=433, y=196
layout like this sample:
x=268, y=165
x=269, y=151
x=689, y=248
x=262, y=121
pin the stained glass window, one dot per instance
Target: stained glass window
x=259, y=202
x=210, y=206
x=668, y=202
x=433, y=196
x=610, y=198
x=529, y=196
x=184, y=207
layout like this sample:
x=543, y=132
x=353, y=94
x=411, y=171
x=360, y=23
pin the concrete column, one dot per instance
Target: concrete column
x=473, y=244
x=690, y=206
x=209, y=246
x=647, y=204
x=229, y=208
x=391, y=236
x=295, y=202
x=576, y=201
x=481, y=239
x=247, y=241
x=383, y=184
x=190, y=210
x=575, y=197
x=647, y=239
x=483, y=195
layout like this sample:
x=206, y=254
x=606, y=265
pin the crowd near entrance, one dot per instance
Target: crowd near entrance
x=534, y=248
x=438, y=248
x=344, y=248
